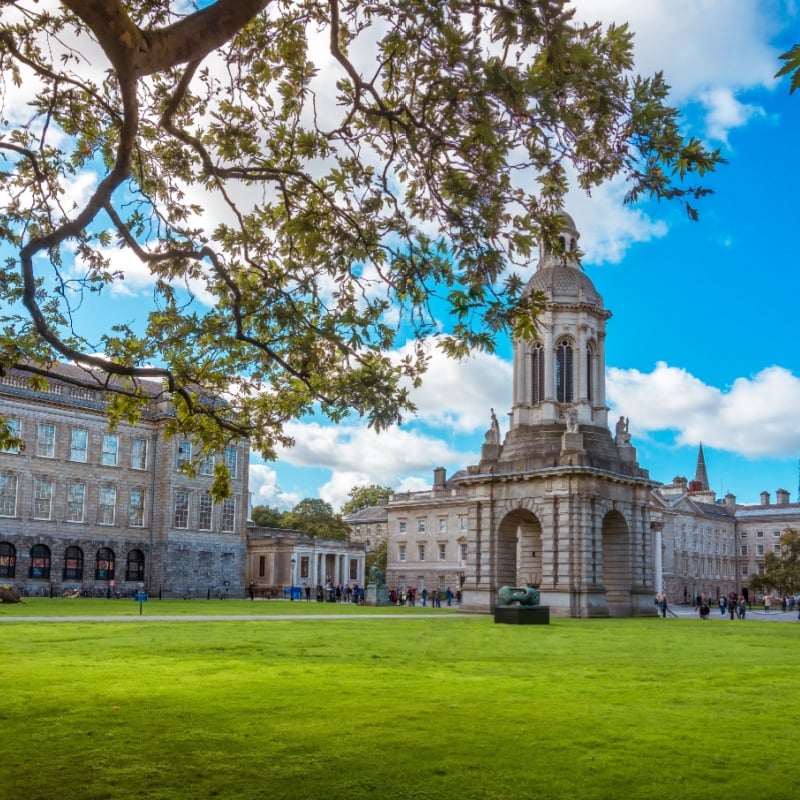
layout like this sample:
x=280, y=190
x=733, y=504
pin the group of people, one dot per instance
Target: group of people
x=411, y=597
x=731, y=604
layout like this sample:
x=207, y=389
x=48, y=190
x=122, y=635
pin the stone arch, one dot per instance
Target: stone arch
x=519, y=549
x=617, y=568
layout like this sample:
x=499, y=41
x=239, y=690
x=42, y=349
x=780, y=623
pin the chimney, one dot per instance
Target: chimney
x=782, y=497
x=730, y=500
x=764, y=498
x=439, y=479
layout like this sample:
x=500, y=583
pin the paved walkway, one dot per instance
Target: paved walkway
x=231, y=617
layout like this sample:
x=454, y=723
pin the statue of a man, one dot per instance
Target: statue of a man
x=623, y=436
x=493, y=434
x=572, y=420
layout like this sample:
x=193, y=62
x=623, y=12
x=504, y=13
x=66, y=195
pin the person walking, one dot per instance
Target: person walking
x=742, y=607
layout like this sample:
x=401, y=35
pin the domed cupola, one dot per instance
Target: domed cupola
x=559, y=375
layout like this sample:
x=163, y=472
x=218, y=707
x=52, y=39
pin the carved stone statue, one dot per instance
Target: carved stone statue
x=493, y=434
x=623, y=435
x=572, y=420
x=524, y=595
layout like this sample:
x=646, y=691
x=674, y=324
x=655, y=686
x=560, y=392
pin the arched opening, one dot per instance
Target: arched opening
x=104, y=565
x=519, y=550
x=617, y=565
x=134, y=566
x=537, y=373
x=40, y=562
x=73, y=564
x=8, y=560
x=564, y=372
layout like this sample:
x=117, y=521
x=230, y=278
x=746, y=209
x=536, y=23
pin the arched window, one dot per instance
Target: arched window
x=537, y=357
x=8, y=560
x=134, y=566
x=564, y=379
x=73, y=564
x=104, y=565
x=589, y=373
x=40, y=563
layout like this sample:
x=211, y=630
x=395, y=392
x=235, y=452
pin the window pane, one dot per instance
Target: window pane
x=181, y=515
x=78, y=444
x=228, y=514
x=231, y=460
x=14, y=429
x=184, y=452
x=42, y=498
x=76, y=494
x=46, y=440
x=110, y=448
x=106, y=508
x=8, y=495
x=139, y=454
x=206, y=512
x=136, y=510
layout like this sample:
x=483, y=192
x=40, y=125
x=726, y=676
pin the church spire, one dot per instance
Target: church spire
x=701, y=476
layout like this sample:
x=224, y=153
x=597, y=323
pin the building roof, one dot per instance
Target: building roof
x=369, y=515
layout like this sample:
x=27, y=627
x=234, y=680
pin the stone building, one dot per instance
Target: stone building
x=368, y=526
x=713, y=546
x=104, y=511
x=559, y=503
x=278, y=560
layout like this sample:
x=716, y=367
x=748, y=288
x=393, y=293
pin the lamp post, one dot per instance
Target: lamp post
x=291, y=590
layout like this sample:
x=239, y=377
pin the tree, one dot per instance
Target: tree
x=306, y=184
x=376, y=556
x=364, y=497
x=791, y=66
x=782, y=570
x=267, y=517
x=316, y=518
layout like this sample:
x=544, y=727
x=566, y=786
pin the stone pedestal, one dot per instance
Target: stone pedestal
x=376, y=595
x=572, y=443
x=627, y=453
x=522, y=615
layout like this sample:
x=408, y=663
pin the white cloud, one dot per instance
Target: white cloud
x=698, y=44
x=458, y=395
x=265, y=490
x=725, y=112
x=755, y=417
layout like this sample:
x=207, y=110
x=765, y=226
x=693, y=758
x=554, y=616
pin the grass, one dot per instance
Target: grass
x=366, y=708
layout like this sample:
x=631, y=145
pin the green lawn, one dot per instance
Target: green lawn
x=454, y=707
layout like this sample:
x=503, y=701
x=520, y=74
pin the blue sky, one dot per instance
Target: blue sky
x=701, y=346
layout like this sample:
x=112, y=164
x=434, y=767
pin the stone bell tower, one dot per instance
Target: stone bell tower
x=561, y=504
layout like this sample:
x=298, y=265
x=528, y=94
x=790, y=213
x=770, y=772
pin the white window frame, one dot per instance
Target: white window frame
x=139, y=453
x=75, y=510
x=180, y=509
x=15, y=427
x=184, y=453
x=420, y=552
x=228, y=524
x=232, y=460
x=42, y=498
x=206, y=466
x=46, y=440
x=109, y=456
x=401, y=553
x=78, y=451
x=8, y=499
x=442, y=551
x=136, y=502
x=107, y=504
x=205, y=520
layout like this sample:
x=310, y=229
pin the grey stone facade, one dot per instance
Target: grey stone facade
x=559, y=503
x=105, y=511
